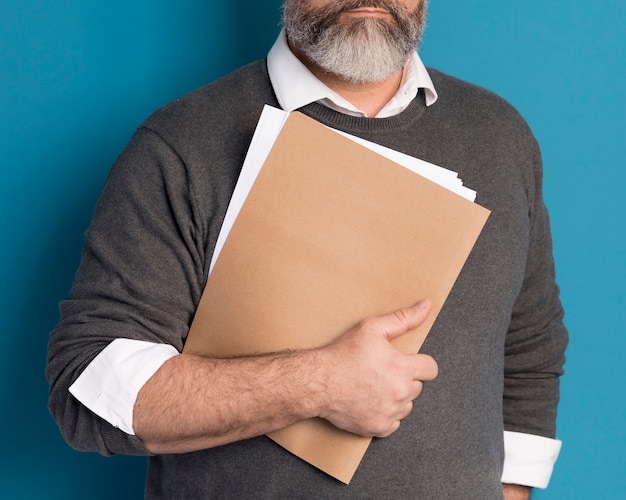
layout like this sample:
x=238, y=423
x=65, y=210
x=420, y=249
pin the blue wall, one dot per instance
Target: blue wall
x=77, y=78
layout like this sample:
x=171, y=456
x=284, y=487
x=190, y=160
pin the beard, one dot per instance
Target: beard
x=360, y=49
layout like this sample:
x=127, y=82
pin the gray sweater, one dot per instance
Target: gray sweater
x=499, y=339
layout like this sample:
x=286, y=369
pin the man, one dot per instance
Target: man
x=499, y=340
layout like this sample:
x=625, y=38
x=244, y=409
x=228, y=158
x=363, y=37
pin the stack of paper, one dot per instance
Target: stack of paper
x=321, y=233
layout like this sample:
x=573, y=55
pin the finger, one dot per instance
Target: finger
x=407, y=408
x=426, y=368
x=392, y=428
x=404, y=412
x=416, y=389
x=398, y=322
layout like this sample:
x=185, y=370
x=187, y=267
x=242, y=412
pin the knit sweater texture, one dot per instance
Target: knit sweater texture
x=499, y=339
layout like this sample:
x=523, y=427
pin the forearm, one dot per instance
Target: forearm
x=193, y=403
x=515, y=492
x=537, y=338
x=360, y=383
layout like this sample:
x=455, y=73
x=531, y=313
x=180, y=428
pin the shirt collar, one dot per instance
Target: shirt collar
x=295, y=86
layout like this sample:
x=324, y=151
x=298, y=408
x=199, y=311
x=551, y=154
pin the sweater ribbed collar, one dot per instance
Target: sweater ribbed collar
x=355, y=124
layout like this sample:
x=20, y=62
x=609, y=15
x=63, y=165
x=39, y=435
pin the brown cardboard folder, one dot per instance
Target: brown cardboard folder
x=330, y=233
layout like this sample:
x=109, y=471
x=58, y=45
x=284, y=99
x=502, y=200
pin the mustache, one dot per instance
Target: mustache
x=328, y=15
x=393, y=7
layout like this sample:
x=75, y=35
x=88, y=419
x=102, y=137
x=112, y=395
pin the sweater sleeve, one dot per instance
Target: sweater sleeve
x=536, y=339
x=140, y=277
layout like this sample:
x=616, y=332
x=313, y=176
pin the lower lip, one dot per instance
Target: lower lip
x=368, y=13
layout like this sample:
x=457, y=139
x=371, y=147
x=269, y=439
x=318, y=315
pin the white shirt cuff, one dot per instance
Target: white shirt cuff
x=111, y=382
x=529, y=459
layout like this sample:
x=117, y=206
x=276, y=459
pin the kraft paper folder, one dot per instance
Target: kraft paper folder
x=329, y=234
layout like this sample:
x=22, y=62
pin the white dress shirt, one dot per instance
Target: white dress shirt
x=111, y=382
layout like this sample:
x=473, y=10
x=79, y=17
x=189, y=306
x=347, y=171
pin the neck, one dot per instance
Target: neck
x=369, y=97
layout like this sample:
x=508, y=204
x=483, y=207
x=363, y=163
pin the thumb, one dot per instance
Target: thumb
x=403, y=320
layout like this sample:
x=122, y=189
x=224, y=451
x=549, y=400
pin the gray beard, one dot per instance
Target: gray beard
x=359, y=50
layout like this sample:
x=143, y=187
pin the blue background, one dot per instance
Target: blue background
x=77, y=77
